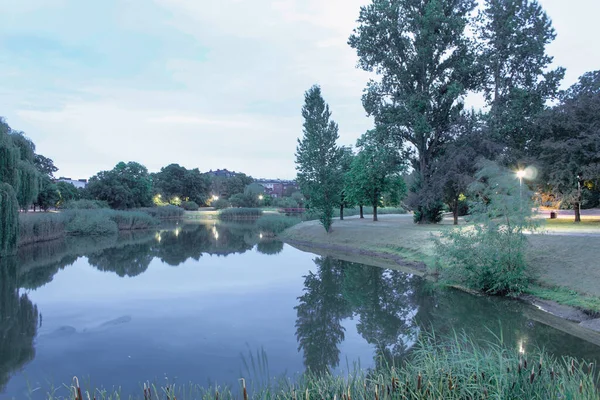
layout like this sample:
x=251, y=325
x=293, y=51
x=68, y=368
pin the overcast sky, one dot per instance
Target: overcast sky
x=203, y=83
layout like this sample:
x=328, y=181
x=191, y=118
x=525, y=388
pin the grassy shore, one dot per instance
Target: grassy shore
x=450, y=368
x=563, y=256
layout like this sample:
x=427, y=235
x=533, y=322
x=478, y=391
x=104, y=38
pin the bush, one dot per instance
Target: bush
x=163, y=212
x=240, y=213
x=431, y=214
x=220, y=204
x=189, y=205
x=90, y=223
x=274, y=224
x=85, y=205
x=38, y=227
x=490, y=255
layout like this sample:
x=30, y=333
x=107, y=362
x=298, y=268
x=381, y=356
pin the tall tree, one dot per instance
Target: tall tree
x=425, y=60
x=175, y=181
x=128, y=185
x=375, y=169
x=514, y=35
x=571, y=150
x=318, y=157
x=345, y=165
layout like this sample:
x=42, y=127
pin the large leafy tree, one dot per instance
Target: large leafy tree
x=318, y=157
x=514, y=35
x=128, y=185
x=175, y=181
x=48, y=195
x=571, y=151
x=375, y=170
x=425, y=63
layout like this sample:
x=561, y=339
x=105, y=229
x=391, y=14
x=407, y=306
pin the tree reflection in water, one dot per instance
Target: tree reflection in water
x=381, y=299
x=18, y=323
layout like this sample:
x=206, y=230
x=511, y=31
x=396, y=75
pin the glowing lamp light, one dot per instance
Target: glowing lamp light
x=260, y=197
x=520, y=174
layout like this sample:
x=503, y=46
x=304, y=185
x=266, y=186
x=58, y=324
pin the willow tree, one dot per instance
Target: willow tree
x=425, y=65
x=9, y=178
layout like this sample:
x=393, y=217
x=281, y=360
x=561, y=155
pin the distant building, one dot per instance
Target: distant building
x=222, y=173
x=79, y=183
x=277, y=187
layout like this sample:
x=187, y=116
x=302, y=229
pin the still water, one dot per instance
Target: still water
x=194, y=302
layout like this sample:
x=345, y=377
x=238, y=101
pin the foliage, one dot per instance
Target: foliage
x=426, y=65
x=85, y=204
x=48, y=195
x=189, y=206
x=490, y=255
x=164, y=212
x=220, y=204
x=273, y=224
x=318, y=158
x=514, y=35
x=45, y=165
x=67, y=193
x=225, y=187
x=38, y=227
x=375, y=171
x=175, y=181
x=83, y=222
x=128, y=185
x=240, y=213
x=9, y=220
x=571, y=150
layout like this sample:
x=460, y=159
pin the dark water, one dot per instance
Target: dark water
x=194, y=302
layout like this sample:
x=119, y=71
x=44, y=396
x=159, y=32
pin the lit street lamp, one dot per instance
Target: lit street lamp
x=520, y=175
x=260, y=197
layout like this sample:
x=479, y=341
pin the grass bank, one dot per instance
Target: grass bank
x=454, y=368
x=563, y=259
x=42, y=227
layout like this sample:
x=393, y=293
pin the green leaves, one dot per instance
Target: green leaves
x=318, y=158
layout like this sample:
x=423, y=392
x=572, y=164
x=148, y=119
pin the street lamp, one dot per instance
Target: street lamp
x=520, y=175
x=260, y=197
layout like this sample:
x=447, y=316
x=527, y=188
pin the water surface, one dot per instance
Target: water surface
x=192, y=302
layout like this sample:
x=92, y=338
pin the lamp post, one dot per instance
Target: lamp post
x=520, y=175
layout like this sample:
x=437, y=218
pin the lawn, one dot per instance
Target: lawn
x=564, y=261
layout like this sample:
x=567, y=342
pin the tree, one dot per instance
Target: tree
x=571, y=150
x=48, y=195
x=426, y=64
x=175, y=181
x=514, y=35
x=318, y=157
x=225, y=187
x=45, y=165
x=128, y=185
x=345, y=164
x=375, y=169
x=67, y=192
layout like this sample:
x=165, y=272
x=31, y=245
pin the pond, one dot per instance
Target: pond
x=202, y=302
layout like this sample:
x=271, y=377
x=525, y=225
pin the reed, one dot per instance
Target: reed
x=453, y=368
x=240, y=213
x=273, y=224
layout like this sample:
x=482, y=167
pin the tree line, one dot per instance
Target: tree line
x=427, y=56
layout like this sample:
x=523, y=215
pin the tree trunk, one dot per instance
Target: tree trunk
x=577, y=209
x=342, y=211
x=361, y=211
x=455, y=211
x=375, y=212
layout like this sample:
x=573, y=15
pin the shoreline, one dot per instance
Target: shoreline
x=575, y=320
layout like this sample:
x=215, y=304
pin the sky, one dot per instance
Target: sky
x=205, y=84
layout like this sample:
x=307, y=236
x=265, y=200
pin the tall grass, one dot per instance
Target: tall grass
x=455, y=368
x=239, y=213
x=273, y=224
x=105, y=221
x=85, y=205
x=40, y=227
x=164, y=212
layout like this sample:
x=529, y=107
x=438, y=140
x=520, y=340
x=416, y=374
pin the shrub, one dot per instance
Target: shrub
x=220, y=204
x=432, y=213
x=274, y=224
x=240, y=213
x=131, y=220
x=90, y=222
x=85, y=205
x=189, y=205
x=490, y=255
x=163, y=212
x=38, y=227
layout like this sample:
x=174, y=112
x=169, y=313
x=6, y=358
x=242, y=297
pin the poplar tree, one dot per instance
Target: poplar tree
x=425, y=64
x=318, y=158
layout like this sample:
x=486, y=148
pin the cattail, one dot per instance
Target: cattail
x=525, y=363
x=520, y=366
x=580, y=386
x=78, y=395
x=513, y=386
x=216, y=395
x=485, y=393
x=244, y=391
x=307, y=397
x=376, y=393
x=552, y=373
x=349, y=397
x=450, y=386
x=475, y=377
x=508, y=370
x=590, y=368
x=540, y=366
x=419, y=381
x=572, y=366
x=532, y=376
x=394, y=383
x=482, y=375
